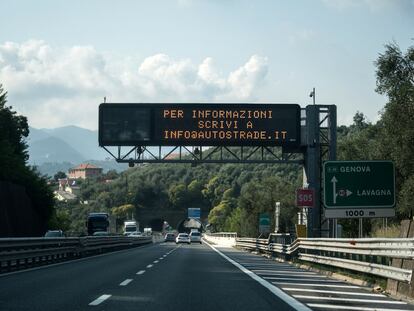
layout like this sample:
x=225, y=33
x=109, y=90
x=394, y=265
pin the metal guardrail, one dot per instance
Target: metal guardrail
x=19, y=253
x=372, y=256
x=223, y=234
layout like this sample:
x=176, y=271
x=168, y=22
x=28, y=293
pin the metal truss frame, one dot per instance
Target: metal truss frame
x=198, y=155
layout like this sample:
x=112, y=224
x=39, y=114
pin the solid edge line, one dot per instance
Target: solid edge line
x=99, y=300
x=273, y=289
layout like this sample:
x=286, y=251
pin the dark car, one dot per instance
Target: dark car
x=54, y=234
x=169, y=237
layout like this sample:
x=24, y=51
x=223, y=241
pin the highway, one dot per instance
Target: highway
x=186, y=277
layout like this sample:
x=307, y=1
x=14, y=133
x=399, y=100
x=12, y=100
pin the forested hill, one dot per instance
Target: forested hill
x=235, y=193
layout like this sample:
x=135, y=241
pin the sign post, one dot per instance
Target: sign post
x=359, y=189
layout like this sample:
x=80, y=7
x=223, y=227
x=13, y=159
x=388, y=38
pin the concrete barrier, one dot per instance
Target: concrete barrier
x=221, y=239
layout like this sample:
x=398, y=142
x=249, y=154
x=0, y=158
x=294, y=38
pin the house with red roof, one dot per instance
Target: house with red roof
x=85, y=170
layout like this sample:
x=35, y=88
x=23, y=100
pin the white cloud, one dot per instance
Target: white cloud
x=56, y=86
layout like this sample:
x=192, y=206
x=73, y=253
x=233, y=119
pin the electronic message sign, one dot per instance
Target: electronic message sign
x=199, y=125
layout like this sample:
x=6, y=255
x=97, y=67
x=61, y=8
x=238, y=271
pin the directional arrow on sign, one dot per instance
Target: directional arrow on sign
x=334, y=181
x=348, y=192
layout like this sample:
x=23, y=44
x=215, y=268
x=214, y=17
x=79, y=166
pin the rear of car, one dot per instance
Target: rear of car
x=183, y=238
x=169, y=237
x=54, y=234
x=195, y=237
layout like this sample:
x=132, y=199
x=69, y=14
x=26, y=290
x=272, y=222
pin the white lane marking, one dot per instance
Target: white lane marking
x=164, y=256
x=126, y=282
x=326, y=306
x=298, y=279
x=351, y=299
x=149, y=266
x=155, y=261
x=331, y=292
x=273, y=289
x=141, y=272
x=99, y=300
x=318, y=285
x=161, y=258
x=307, y=274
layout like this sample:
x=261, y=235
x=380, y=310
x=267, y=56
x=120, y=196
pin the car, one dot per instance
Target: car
x=169, y=237
x=54, y=234
x=195, y=236
x=183, y=238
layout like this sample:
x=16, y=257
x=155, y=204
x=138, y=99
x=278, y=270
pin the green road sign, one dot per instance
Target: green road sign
x=359, y=184
x=264, y=223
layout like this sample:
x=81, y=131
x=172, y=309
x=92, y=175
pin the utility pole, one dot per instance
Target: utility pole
x=277, y=213
x=313, y=95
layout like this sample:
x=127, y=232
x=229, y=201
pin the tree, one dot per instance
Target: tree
x=13, y=149
x=395, y=79
x=59, y=175
x=13, y=157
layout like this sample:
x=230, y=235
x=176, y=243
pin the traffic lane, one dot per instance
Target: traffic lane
x=313, y=289
x=193, y=277
x=69, y=286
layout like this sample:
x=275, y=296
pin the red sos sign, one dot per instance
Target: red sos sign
x=305, y=197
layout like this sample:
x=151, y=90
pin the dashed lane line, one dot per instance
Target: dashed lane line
x=126, y=282
x=155, y=261
x=99, y=300
x=149, y=266
x=141, y=272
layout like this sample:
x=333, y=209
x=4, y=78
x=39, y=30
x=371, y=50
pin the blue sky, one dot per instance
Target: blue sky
x=58, y=59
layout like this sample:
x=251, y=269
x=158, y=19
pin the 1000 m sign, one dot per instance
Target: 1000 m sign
x=199, y=124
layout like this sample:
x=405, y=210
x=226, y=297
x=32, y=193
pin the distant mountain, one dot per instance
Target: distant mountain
x=83, y=140
x=52, y=149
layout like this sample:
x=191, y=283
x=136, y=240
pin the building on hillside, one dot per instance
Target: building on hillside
x=64, y=196
x=85, y=170
x=65, y=182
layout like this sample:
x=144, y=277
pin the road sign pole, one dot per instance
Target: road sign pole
x=277, y=213
x=313, y=169
x=320, y=141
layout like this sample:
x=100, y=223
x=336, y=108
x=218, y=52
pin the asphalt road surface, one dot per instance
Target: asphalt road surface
x=185, y=277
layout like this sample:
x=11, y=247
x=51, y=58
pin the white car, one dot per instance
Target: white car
x=182, y=238
x=195, y=236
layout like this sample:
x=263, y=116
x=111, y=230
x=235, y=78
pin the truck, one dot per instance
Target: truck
x=97, y=222
x=130, y=226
